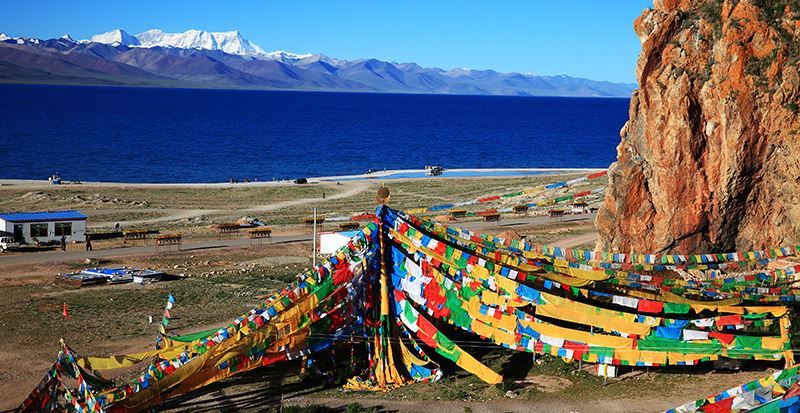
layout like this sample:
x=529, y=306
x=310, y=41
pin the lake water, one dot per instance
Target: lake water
x=196, y=135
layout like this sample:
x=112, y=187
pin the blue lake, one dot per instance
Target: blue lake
x=195, y=135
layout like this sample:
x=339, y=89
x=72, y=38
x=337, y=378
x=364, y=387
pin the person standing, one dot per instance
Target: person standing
x=88, y=243
x=63, y=243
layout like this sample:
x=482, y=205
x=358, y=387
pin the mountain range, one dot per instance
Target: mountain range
x=197, y=58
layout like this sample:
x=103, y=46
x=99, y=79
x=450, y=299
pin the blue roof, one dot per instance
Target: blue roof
x=42, y=216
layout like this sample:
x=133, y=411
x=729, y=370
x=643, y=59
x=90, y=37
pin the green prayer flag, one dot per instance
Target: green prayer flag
x=446, y=347
x=409, y=313
x=748, y=342
x=188, y=338
x=324, y=289
x=674, y=308
x=654, y=343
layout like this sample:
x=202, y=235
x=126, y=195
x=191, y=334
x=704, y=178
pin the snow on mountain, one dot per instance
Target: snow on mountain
x=306, y=59
x=457, y=72
x=116, y=37
x=68, y=38
x=229, y=42
x=198, y=57
x=285, y=56
x=232, y=42
x=24, y=40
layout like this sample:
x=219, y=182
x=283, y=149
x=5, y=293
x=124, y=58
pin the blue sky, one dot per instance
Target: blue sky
x=583, y=38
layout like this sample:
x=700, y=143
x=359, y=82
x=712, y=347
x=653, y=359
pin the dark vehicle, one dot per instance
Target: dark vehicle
x=301, y=181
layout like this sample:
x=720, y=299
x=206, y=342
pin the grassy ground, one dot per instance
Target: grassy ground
x=155, y=197
x=120, y=203
x=546, y=384
x=218, y=284
x=548, y=378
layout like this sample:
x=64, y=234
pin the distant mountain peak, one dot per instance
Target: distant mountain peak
x=68, y=38
x=4, y=37
x=231, y=42
x=284, y=55
x=116, y=37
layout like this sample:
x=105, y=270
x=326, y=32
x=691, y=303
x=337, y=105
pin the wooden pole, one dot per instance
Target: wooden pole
x=314, y=250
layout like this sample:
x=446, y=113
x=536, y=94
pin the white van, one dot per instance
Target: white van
x=8, y=243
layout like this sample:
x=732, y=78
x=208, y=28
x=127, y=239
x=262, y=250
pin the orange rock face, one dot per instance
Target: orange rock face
x=710, y=157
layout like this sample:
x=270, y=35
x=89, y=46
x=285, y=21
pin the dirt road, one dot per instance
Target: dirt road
x=351, y=189
x=76, y=256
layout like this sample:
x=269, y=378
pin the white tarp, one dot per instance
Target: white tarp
x=330, y=242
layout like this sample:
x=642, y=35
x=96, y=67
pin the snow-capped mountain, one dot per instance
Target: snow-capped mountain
x=229, y=42
x=19, y=40
x=197, y=58
x=117, y=37
x=285, y=56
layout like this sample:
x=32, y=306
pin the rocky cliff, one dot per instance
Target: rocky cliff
x=710, y=157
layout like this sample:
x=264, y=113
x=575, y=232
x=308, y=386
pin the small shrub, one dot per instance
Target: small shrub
x=792, y=107
x=758, y=67
x=771, y=10
x=711, y=11
x=774, y=12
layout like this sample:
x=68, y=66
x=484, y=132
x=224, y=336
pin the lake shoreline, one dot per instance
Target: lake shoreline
x=394, y=175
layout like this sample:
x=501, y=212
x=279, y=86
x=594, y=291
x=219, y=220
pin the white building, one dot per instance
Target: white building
x=45, y=225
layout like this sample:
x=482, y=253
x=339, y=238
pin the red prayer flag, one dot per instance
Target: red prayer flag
x=729, y=320
x=725, y=338
x=64, y=311
x=719, y=407
x=489, y=198
x=426, y=332
x=794, y=391
x=647, y=306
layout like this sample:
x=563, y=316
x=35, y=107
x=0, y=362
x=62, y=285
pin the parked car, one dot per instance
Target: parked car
x=7, y=244
x=301, y=181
